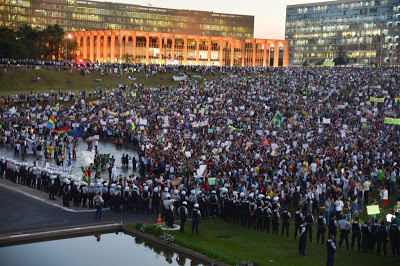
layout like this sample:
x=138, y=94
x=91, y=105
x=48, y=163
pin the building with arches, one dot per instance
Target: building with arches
x=181, y=49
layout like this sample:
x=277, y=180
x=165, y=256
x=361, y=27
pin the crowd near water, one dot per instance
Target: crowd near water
x=258, y=146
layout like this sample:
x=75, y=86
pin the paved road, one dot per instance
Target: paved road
x=21, y=213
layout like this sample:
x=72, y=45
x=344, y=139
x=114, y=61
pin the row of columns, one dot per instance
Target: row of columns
x=123, y=33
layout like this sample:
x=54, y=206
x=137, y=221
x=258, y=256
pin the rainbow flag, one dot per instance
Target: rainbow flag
x=112, y=113
x=50, y=124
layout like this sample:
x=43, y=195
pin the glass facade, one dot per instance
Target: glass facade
x=360, y=32
x=77, y=15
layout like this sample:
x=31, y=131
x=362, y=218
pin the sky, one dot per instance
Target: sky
x=269, y=15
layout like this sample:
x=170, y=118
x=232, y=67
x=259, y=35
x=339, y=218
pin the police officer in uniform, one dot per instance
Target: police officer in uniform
x=298, y=220
x=373, y=235
x=356, y=229
x=85, y=191
x=191, y=201
x=275, y=220
x=155, y=201
x=196, y=215
x=302, y=238
x=66, y=193
x=213, y=204
x=394, y=234
x=91, y=195
x=267, y=215
x=365, y=237
x=183, y=212
x=321, y=228
x=310, y=220
x=285, y=221
x=226, y=207
x=331, y=249
x=381, y=237
x=332, y=226
x=135, y=198
x=260, y=216
x=252, y=213
x=146, y=198
x=111, y=196
x=52, y=188
x=344, y=227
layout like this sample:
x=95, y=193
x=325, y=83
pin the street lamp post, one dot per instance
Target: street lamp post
x=370, y=50
x=380, y=60
x=66, y=46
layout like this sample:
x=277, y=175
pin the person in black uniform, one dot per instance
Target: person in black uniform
x=267, y=216
x=260, y=216
x=332, y=226
x=381, y=238
x=298, y=220
x=196, y=215
x=275, y=220
x=356, y=229
x=309, y=219
x=321, y=228
x=183, y=212
x=155, y=201
x=365, y=237
x=373, y=235
x=285, y=221
x=302, y=238
x=394, y=234
x=331, y=249
x=213, y=204
x=252, y=214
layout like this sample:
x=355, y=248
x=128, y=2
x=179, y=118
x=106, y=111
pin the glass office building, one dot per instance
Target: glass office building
x=360, y=32
x=78, y=15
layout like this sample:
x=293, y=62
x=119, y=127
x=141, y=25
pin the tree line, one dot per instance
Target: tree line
x=35, y=43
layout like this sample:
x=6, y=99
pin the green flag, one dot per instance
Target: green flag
x=234, y=128
x=133, y=126
x=277, y=120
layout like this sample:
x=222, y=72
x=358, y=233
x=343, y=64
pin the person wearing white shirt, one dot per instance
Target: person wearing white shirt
x=339, y=207
x=385, y=196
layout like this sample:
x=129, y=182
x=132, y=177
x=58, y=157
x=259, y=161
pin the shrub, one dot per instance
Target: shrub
x=153, y=229
x=138, y=225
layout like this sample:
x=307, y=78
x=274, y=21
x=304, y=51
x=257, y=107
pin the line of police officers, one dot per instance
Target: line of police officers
x=257, y=212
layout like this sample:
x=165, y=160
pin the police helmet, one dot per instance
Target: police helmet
x=234, y=193
x=184, y=203
x=268, y=197
x=113, y=185
x=183, y=193
x=176, y=192
x=251, y=195
x=134, y=187
x=192, y=192
x=155, y=190
x=92, y=184
x=168, y=196
x=213, y=192
x=68, y=182
x=84, y=184
x=99, y=184
x=146, y=188
x=196, y=205
x=166, y=189
x=105, y=184
x=275, y=199
x=119, y=187
x=242, y=194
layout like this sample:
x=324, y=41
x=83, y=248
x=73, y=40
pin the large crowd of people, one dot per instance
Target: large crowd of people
x=258, y=146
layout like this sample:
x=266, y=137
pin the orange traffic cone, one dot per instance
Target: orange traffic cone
x=159, y=218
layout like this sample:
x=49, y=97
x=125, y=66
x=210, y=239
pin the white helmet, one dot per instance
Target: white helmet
x=119, y=186
x=166, y=189
x=192, y=192
x=275, y=199
x=242, y=194
x=155, y=189
x=184, y=203
x=234, y=193
x=146, y=188
x=176, y=192
x=168, y=195
x=196, y=205
x=213, y=192
x=183, y=193
x=251, y=195
x=92, y=184
x=268, y=197
x=84, y=184
x=113, y=185
x=98, y=184
x=68, y=182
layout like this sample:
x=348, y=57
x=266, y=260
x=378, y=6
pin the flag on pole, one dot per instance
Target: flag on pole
x=112, y=113
x=50, y=124
x=277, y=120
x=85, y=172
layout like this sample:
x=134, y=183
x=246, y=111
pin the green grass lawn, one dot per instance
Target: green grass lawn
x=21, y=81
x=235, y=243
